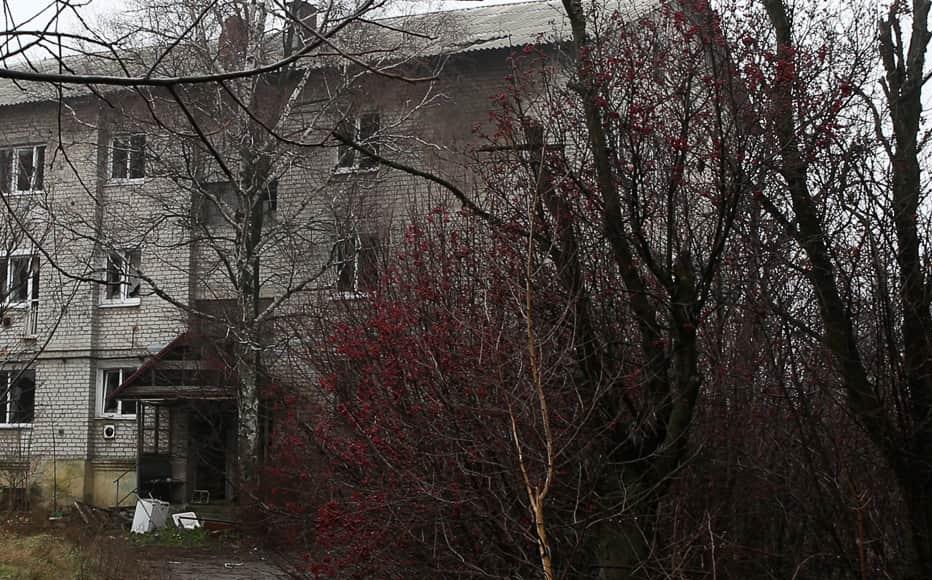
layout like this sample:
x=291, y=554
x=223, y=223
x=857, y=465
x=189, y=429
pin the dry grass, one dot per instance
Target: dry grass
x=72, y=550
x=43, y=556
x=36, y=549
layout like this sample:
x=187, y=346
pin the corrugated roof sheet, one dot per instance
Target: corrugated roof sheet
x=18, y=92
x=489, y=27
x=484, y=27
x=437, y=33
x=15, y=92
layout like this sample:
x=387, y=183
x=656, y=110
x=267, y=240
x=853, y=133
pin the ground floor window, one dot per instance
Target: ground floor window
x=110, y=380
x=18, y=399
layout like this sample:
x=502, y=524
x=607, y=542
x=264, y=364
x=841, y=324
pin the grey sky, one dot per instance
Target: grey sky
x=17, y=12
x=38, y=14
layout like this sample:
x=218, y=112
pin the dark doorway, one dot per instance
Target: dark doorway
x=211, y=429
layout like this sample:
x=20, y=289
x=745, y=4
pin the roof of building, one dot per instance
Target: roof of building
x=431, y=34
x=14, y=92
x=486, y=27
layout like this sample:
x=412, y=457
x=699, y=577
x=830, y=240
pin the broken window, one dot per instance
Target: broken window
x=123, y=283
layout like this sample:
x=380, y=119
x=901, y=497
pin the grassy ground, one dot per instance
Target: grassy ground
x=45, y=555
x=72, y=550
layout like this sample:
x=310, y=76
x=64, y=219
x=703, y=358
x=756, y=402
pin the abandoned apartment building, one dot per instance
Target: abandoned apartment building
x=88, y=235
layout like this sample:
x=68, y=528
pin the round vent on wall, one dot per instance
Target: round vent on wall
x=109, y=431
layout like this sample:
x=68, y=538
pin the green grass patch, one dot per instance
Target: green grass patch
x=173, y=537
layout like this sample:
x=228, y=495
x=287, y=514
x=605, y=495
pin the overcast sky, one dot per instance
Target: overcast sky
x=19, y=11
x=44, y=10
x=38, y=14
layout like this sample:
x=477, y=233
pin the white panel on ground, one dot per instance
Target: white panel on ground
x=151, y=514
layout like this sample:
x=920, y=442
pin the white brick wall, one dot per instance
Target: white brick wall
x=77, y=335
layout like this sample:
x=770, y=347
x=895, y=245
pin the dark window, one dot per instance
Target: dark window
x=369, y=126
x=271, y=196
x=346, y=158
x=118, y=156
x=219, y=199
x=156, y=429
x=356, y=260
x=128, y=157
x=137, y=156
x=364, y=131
x=25, y=169
x=222, y=202
x=18, y=399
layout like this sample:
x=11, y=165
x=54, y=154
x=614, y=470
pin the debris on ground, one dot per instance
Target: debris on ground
x=151, y=514
x=186, y=520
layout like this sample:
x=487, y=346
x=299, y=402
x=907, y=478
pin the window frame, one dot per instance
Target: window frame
x=9, y=184
x=6, y=401
x=359, y=163
x=365, y=244
x=125, y=368
x=125, y=278
x=126, y=175
x=209, y=212
x=33, y=281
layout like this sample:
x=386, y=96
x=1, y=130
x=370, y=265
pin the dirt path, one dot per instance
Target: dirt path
x=213, y=567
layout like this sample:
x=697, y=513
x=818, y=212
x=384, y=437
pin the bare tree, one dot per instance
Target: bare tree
x=207, y=110
x=837, y=201
x=619, y=190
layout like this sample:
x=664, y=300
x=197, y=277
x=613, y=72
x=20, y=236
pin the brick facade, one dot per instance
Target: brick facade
x=64, y=452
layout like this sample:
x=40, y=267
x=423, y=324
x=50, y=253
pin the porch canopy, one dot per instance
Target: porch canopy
x=188, y=368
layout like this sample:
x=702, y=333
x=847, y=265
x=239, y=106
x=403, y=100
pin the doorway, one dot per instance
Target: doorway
x=212, y=431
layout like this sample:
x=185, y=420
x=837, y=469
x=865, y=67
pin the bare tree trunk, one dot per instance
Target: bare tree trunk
x=623, y=544
x=248, y=447
x=906, y=450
